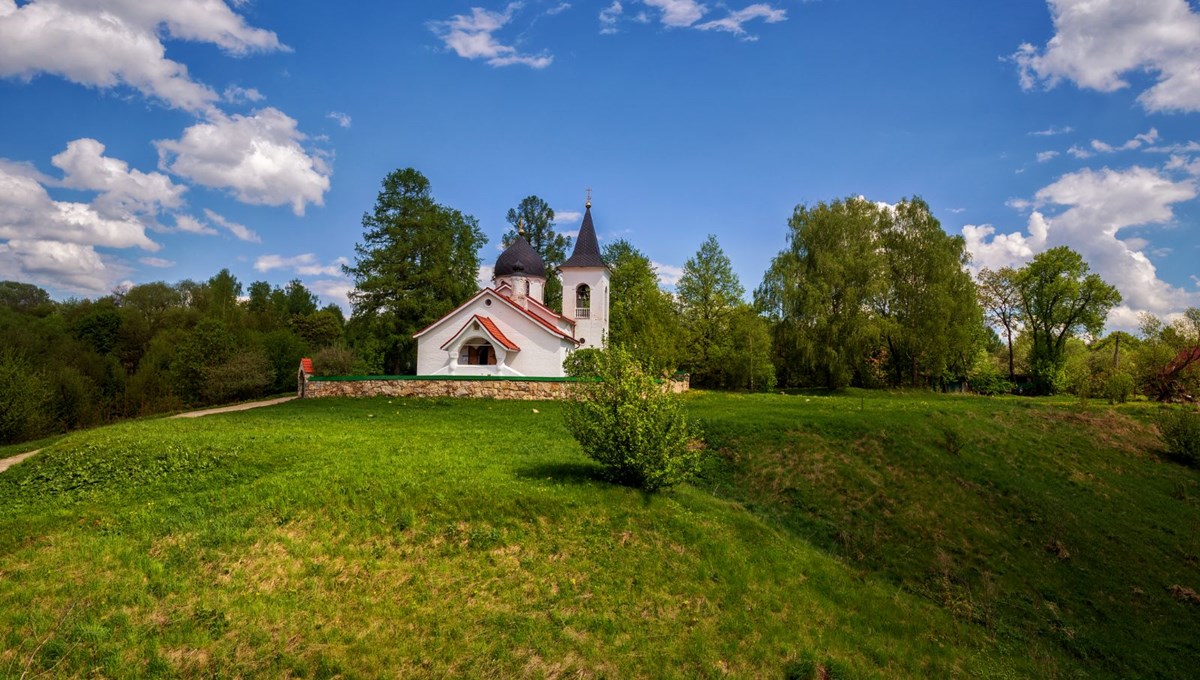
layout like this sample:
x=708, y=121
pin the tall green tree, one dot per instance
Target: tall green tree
x=818, y=291
x=1001, y=303
x=926, y=304
x=708, y=293
x=1060, y=299
x=417, y=261
x=642, y=317
x=536, y=217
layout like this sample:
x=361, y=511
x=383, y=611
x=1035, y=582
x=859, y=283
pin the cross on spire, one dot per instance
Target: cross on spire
x=589, y=197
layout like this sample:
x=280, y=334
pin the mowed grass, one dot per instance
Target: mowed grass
x=854, y=535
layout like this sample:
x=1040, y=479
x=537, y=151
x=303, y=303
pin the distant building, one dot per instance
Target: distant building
x=507, y=330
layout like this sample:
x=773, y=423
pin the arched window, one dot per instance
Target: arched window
x=583, y=301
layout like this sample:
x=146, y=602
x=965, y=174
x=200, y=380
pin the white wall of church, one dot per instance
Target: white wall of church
x=594, y=328
x=541, y=354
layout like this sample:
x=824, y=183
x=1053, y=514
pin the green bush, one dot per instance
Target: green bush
x=626, y=421
x=1180, y=430
x=24, y=399
x=333, y=361
x=987, y=380
x=1118, y=387
x=582, y=363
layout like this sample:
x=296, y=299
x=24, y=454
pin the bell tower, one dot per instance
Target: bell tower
x=585, y=280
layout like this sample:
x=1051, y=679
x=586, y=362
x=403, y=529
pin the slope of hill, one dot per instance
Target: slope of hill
x=863, y=537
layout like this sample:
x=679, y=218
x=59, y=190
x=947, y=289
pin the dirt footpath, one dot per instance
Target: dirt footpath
x=6, y=463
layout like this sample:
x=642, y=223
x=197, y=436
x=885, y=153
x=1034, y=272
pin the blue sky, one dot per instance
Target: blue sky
x=166, y=139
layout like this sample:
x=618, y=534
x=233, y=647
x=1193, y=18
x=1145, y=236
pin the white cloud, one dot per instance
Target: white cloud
x=567, y=216
x=306, y=264
x=1189, y=165
x=1086, y=211
x=192, y=225
x=668, y=275
x=1189, y=147
x=484, y=276
x=123, y=191
x=1144, y=139
x=341, y=118
x=1053, y=131
x=27, y=213
x=678, y=13
x=558, y=9
x=119, y=42
x=1079, y=152
x=241, y=232
x=258, y=158
x=609, y=16
x=156, y=262
x=1044, y=156
x=69, y=266
x=1098, y=42
x=335, y=291
x=733, y=23
x=235, y=94
x=471, y=37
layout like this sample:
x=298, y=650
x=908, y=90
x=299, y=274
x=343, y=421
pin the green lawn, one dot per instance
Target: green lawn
x=866, y=535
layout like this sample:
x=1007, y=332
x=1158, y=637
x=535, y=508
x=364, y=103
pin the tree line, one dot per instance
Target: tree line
x=863, y=294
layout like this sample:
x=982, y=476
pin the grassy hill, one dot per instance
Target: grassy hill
x=862, y=535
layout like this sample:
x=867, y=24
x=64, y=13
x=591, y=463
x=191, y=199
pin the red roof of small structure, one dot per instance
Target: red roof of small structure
x=491, y=329
x=306, y=365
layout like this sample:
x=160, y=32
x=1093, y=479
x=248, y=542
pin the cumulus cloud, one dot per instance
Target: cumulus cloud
x=734, y=23
x=335, y=291
x=1098, y=42
x=123, y=191
x=484, y=276
x=241, y=232
x=119, y=43
x=668, y=275
x=567, y=216
x=678, y=13
x=28, y=213
x=54, y=264
x=1079, y=152
x=472, y=37
x=235, y=94
x=1087, y=210
x=258, y=158
x=191, y=225
x=1044, y=156
x=306, y=264
x=1138, y=141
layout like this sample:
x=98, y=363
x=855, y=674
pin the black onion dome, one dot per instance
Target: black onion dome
x=587, y=248
x=520, y=258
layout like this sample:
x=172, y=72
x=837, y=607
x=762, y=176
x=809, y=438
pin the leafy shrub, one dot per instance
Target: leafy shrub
x=244, y=375
x=333, y=361
x=1118, y=387
x=625, y=421
x=987, y=380
x=582, y=363
x=24, y=398
x=1180, y=430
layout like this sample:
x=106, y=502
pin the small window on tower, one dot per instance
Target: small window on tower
x=583, y=301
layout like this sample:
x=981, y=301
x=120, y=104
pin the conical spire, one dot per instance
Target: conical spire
x=587, y=248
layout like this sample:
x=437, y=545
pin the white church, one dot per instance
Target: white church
x=507, y=330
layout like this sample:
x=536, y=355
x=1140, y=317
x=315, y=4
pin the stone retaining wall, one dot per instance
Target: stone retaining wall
x=310, y=387
x=399, y=387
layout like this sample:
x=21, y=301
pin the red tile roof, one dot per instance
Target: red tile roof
x=306, y=365
x=497, y=333
x=545, y=324
x=490, y=328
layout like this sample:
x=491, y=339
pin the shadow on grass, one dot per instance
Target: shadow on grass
x=567, y=473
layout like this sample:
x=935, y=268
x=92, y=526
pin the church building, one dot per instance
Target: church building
x=507, y=330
